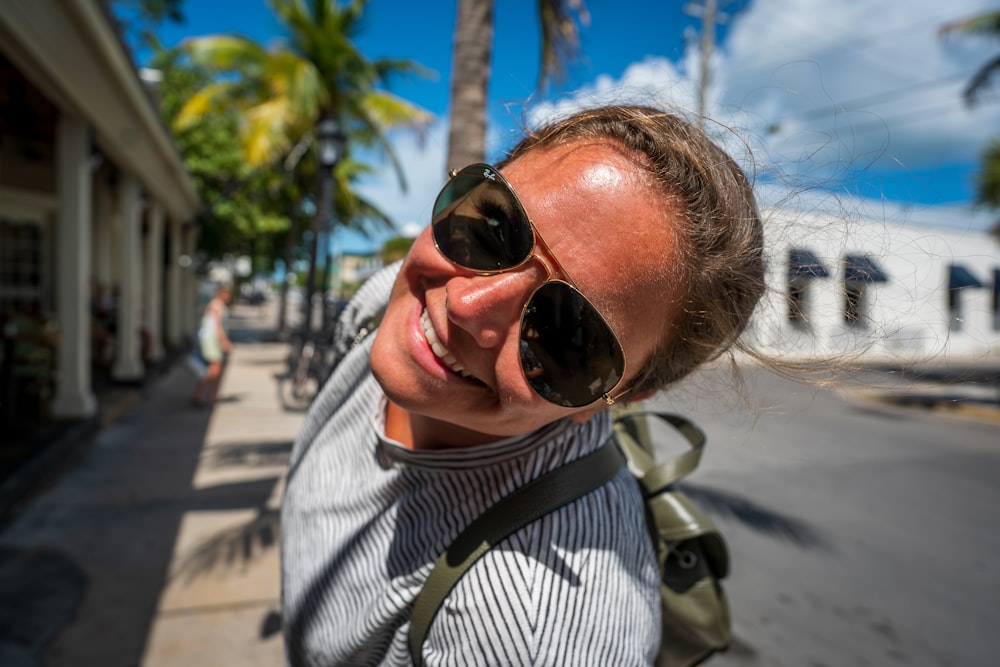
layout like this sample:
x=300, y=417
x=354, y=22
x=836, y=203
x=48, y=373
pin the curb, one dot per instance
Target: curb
x=910, y=403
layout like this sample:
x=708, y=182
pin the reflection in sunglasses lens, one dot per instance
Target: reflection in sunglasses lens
x=478, y=224
x=569, y=354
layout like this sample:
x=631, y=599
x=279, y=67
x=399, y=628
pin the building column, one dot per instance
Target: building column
x=152, y=284
x=174, y=336
x=128, y=358
x=74, y=396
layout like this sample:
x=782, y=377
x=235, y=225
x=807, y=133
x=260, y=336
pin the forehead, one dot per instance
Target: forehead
x=607, y=225
x=591, y=201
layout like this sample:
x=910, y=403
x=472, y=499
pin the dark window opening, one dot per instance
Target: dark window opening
x=996, y=299
x=854, y=311
x=797, y=303
x=803, y=267
x=959, y=278
x=859, y=271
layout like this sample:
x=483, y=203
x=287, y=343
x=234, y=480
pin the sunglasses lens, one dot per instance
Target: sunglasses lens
x=479, y=224
x=569, y=354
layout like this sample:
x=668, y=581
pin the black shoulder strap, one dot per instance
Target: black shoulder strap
x=511, y=513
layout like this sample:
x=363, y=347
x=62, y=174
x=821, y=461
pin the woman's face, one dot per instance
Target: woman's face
x=611, y=233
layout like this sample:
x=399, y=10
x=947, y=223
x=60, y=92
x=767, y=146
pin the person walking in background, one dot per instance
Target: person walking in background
x=214, y=345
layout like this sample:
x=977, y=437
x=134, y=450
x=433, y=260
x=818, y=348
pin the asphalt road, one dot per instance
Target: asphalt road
x=859, y=534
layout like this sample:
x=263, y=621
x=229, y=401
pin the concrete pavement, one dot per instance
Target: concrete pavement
x=159, y=545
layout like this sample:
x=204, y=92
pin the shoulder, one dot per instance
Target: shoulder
x=578, y=586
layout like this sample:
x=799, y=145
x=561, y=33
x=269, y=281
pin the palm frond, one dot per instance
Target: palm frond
x=266, y=135
x=201, y=104
x=987, y=23
x=560, y=36
x=981, y=81
x=224, y=52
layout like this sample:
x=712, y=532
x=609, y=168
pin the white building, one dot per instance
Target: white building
x=893, y=292
x=95, y=202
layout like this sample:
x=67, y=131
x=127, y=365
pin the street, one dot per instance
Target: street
x=860, y=534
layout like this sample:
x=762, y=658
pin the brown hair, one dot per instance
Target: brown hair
x=715, y=219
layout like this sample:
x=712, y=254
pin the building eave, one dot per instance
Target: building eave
x=73, y=47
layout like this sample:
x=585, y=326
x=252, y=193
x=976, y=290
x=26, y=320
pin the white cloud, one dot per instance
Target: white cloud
x=857, y=82
x=829, y=94
x=652, y=81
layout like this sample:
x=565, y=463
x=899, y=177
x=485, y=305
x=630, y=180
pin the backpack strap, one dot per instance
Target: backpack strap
x=508, y=515
x=632, y=431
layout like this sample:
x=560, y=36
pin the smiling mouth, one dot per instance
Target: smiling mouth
x=440, y=351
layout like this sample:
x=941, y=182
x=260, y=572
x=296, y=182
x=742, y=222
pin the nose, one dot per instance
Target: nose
x=488, y=307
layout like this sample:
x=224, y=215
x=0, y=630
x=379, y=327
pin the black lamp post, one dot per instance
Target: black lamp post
x=330, y=142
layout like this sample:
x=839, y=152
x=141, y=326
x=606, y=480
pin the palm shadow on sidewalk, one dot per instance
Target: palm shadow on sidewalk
x=113, y=519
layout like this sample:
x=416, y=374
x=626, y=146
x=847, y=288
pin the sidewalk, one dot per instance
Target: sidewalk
x=159, y=545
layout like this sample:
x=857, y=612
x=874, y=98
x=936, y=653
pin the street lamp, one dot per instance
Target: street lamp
x=330, y=143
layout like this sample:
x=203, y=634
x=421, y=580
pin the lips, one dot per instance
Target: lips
x=440, y=350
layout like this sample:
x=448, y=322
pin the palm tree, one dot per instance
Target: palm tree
x=471, y=57
x=286, y=90
x=988, y=24
x=988, y=179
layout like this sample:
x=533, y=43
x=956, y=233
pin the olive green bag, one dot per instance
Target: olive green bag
x=691, y=552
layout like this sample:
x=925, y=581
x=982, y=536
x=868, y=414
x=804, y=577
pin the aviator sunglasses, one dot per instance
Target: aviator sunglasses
x=570, y=356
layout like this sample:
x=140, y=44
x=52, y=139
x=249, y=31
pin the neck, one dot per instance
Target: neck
x=416, y=431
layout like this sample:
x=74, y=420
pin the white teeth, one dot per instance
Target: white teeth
x=440, y=350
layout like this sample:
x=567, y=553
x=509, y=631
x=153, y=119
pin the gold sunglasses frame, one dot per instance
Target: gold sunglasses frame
x=493, y=174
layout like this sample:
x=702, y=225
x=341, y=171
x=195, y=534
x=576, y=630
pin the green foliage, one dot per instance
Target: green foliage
x=276, y=95
x=285, y=89
x=988, y=181
x=245, y=209
x=395, y=248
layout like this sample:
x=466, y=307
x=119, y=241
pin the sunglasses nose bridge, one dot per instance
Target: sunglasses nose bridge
x=547, y=262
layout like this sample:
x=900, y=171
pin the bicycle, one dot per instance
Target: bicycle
x=309, y=362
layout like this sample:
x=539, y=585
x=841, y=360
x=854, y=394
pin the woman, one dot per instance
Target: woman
x=608, y=256
x=214, y=345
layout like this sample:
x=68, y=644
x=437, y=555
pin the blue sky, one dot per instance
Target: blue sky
x=854, y=98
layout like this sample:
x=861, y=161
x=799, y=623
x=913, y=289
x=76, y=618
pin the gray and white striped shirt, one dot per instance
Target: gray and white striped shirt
x=364, y=519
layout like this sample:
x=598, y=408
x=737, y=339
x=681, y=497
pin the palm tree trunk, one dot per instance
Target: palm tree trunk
x=470, y=78
x=321, y=222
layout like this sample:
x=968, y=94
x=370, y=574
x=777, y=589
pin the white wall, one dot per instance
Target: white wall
x=907, y=316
